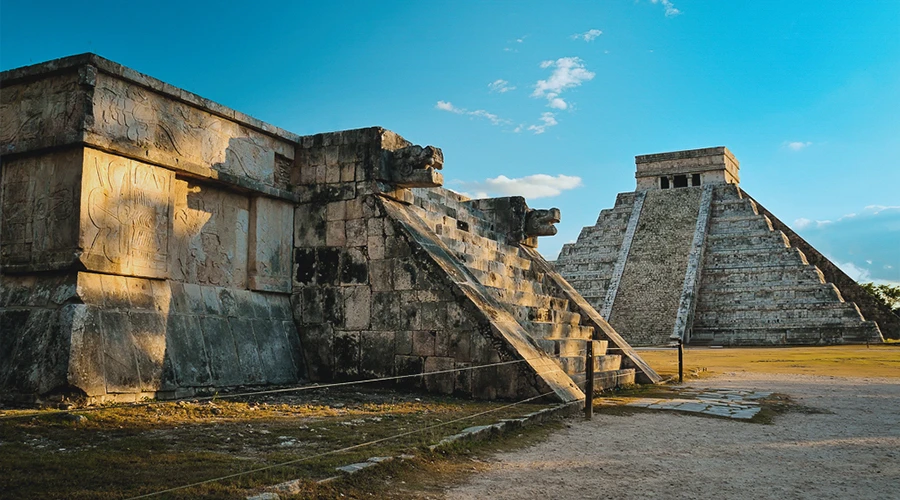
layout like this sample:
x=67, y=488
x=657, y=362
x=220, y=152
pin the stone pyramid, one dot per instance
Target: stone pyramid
x=690, y=256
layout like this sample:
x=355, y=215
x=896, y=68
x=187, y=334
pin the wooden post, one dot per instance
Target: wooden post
x=680, y=361
x=589, y=381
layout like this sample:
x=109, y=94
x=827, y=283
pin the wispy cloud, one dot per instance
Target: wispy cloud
x=568, y=72
x=587, y=36
x=547, y=120
x=863, y=243
x=500, y=86
x=796, y=145
x=532, y=186
x=479, y=113
x=670, y=7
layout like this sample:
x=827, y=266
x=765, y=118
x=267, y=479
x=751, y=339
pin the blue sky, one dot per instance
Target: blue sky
x=550, y=100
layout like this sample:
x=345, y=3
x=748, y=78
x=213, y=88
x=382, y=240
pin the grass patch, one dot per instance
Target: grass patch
x=882, y=360
x=121, y=452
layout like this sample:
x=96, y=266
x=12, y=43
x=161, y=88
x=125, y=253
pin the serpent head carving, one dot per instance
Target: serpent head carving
x=415, y=166
x=541, y=222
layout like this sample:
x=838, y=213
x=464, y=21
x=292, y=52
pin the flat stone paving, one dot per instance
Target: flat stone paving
x=729, y=403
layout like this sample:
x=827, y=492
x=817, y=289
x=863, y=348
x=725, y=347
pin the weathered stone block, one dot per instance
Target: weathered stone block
x=210, y=235
x=271, y=224
x=346, y=354
x=357, y=307
x=40, y=202
x=376, y=354
x=220, y=347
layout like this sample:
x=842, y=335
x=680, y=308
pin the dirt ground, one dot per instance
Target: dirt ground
x=849, y=448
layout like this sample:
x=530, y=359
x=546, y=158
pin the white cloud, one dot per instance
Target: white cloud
x=802, y=223
x=568, y=72
x=480, y=113
x=797, y=145
x=532, y=186
x=501, y=86
x=855, y=272
x=670, y=7
x=587, y=36
x=557, y=103
x=547, y=120
x=447, y=106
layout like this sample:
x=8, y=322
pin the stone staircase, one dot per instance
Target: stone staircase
x=757, y=289
x=589, y=263
x=527, y=294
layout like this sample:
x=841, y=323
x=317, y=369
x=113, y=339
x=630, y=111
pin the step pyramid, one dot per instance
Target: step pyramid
x=690, y=256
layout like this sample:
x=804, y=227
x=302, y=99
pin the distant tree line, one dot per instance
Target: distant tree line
x=887, y=294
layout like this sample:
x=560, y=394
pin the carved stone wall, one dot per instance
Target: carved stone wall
x=145, y=238
x=126, y=215
x=40, y=203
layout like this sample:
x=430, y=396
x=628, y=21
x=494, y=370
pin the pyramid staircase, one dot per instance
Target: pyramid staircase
x=758, y=289
x=528, y=291
x=589, y=263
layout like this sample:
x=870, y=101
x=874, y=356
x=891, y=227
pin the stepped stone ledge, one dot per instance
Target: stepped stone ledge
x=156, y=244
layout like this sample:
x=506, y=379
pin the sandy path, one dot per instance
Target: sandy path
x=852, y=453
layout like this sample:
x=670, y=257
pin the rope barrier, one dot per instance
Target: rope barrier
x=263, y=392
x=348, y=448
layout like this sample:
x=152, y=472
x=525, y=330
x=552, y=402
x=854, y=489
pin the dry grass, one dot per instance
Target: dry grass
x=838, y=361
x=123, y=452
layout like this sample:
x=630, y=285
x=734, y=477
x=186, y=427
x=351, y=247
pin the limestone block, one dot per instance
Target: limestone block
x=318, y=341
x=149, y=337
x=126, y=215
x=185, y=346
x=309, y=225
x=210, y=236
x=354, y=267
x=376, y=354
x=41, y=113
x=119, y=362
x=39, y=200
x=442, y=383
x=346, y=354
x=424, y=343
x=85, y=368
x=271, y=227
x=409, y=365
x=221, y=350
x=248, y=349
x=357, y=307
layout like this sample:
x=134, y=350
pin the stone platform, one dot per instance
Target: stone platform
x=156, y=244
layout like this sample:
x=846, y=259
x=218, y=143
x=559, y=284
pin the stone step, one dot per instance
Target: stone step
x=821, y=315
x=756, y=239
x=714, y=279
x=519, y=299
x=609, y=379
x=754, y=258
x=737, y=224
x=581, y=257
x=540, y=330
x=574, y=365
x=546, y=315
x=860, y=332
x=570, y=347
x=495, y=280
x=749, y=297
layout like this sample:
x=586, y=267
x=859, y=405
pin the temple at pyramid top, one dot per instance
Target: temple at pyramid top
x=692, y=167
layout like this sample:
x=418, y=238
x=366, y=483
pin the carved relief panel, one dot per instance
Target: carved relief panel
x=174, y=133
x=40, y=113
x=126, y=209
x=210, y=235
x=271, y=238
x=39, y=207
